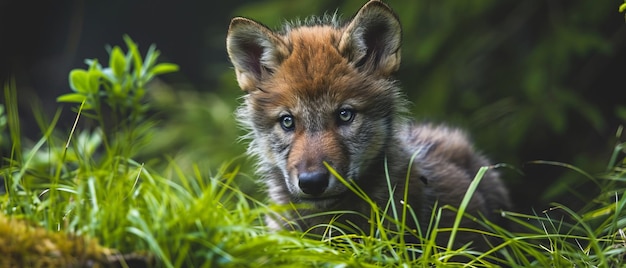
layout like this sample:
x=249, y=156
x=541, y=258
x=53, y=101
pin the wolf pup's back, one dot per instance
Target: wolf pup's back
x=319, y=92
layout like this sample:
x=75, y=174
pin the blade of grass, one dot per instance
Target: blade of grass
x=466, y=199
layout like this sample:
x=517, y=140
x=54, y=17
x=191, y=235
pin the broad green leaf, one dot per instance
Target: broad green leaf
x=72, y=97
x=79, y=80
x=163, y=68
x=94, y=80
x=117, y=90
x=117, y=62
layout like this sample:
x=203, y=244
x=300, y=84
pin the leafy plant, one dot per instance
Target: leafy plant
x=121, y=86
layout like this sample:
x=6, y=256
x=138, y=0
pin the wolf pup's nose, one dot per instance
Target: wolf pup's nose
x=314, y=182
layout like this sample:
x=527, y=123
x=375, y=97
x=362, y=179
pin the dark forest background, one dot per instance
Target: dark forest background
x=530, y=80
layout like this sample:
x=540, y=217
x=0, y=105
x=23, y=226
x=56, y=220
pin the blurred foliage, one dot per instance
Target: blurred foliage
x=500, y=67
x=198, y=129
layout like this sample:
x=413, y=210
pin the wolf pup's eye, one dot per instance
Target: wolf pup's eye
x=346, y=115
x=287, y=123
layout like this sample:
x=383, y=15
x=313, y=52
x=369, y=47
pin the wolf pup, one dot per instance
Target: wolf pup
x=319, y=92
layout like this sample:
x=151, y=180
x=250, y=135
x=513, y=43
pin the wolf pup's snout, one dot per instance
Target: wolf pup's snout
x=313, y=182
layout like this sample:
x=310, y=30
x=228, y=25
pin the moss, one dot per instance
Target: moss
x=25, y=245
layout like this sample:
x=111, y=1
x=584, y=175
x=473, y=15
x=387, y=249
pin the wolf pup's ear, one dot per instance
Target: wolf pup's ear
x=371, y=41
x=254, y=50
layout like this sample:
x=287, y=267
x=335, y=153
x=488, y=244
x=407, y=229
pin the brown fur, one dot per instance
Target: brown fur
x=321, y=92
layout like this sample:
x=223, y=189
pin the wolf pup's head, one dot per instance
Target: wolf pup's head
x=318, y=91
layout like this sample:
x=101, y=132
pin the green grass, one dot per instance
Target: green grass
x=79, y=196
